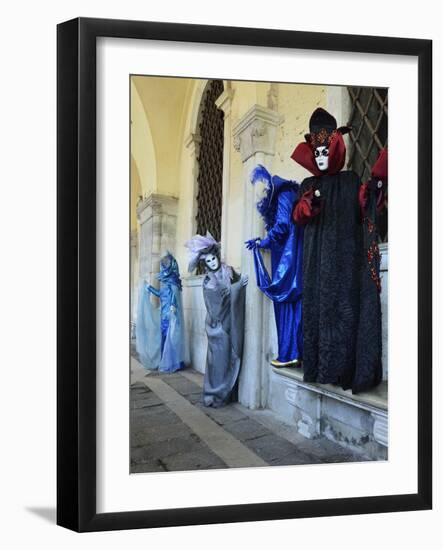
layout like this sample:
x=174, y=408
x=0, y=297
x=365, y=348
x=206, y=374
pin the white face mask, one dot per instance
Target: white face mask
x=321, y=155
x=212, y=262
x=261, y=190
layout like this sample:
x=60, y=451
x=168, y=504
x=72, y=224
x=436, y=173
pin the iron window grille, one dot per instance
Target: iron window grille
x=210, y=162
x=369, y=122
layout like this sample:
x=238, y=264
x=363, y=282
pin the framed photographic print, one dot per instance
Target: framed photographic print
x=244, y=274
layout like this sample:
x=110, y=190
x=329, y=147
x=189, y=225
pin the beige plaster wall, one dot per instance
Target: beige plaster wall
x=296, y=103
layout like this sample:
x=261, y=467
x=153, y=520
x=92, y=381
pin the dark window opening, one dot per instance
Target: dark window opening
x=369, y=121
x=210, y=162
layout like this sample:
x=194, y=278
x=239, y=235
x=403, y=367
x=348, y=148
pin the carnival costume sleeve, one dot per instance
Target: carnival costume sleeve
x=374, y=191
x=147, y=330
x=173, y=355
x=285, y=243
x=225, y=331
x=153, y=291
x=306, y=208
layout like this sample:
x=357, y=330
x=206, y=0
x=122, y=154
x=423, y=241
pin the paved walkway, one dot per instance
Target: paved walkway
x=171, y=430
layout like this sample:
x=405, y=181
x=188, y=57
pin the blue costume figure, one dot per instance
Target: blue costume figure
x=285, y=242
x=160, y=339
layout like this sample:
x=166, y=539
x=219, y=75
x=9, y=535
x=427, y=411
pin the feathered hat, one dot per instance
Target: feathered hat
x=322, y=128
x=323, y=131
x=198, y=246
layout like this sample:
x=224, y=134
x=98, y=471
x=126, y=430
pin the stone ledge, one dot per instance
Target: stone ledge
x=375, y=400
x=313, y=419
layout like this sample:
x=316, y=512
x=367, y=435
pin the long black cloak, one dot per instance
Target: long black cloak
x=341, y=302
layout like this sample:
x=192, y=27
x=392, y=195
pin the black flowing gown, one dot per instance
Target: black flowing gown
x=341, y=302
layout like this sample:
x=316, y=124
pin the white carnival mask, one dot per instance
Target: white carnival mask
x=212, y=262
x=321, y=155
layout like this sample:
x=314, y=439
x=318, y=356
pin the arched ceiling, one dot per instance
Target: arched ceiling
x=164, y=104
x=142, y=145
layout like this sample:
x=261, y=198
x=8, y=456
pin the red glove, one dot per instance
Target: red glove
x=306, y=208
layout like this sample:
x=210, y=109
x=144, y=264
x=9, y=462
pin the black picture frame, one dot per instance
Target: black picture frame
x=76, y=279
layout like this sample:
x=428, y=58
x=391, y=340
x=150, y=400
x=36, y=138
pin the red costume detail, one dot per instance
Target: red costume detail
x=380, y=168
x=305, y=209
x=303, y=154
x=379, y=172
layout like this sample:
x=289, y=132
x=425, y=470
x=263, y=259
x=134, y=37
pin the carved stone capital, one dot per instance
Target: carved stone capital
x=156, y=204
x=255, y=132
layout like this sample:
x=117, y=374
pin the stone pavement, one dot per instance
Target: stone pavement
x=172, y=431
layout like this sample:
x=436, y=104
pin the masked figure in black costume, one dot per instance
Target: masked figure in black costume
x=341, y=303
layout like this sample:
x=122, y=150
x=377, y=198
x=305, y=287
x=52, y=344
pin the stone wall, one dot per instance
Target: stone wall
x=358, y=423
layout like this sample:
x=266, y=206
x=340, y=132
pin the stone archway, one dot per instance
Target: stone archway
x=142, y=145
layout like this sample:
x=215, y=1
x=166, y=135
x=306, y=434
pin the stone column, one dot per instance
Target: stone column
x=254, y=138
x=157, y=216
x=224, y=102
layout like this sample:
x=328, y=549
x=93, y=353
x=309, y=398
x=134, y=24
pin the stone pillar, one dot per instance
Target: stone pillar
x=157, y=216
x=224, y=102
x=254, y=138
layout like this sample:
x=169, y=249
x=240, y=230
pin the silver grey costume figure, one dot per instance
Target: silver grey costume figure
x=224, y=295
